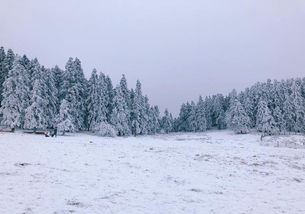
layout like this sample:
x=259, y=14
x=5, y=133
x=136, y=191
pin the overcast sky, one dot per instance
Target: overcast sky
x=178, y=49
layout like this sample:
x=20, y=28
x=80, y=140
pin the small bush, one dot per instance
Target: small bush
x=105, y=130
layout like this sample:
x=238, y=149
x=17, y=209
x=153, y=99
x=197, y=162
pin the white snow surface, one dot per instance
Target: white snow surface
x=211, y=172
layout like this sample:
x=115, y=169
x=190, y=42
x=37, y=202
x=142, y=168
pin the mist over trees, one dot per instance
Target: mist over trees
x=35, y=97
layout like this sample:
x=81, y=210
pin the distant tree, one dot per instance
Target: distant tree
x=298, y=106
x=167, y=122
x=237, y=118
x=201, y=116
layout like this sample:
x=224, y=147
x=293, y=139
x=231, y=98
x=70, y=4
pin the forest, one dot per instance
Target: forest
x=35, y=97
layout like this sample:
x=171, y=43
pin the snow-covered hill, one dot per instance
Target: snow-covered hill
x=212, y=172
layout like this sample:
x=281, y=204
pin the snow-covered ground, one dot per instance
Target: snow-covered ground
x=213, y=172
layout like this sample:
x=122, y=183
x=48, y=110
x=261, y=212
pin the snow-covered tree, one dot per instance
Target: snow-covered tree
x=137, y=111
x=167, y=122
x=16, y=95
x=73, y=91
x=109, y=98
x=36, y=113
x=191, y=120
x=96, y=100
x=58, y=80
x=299, y=106
x=237, y=118
x=154, y=120
x=201, y=122
x=279, y=119
x=3, y=71
x=51, y=96
x=264, y=120
x=65, y=118
x=119, y=116
x=288, y=113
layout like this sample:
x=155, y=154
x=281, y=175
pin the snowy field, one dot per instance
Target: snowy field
x=213, y=172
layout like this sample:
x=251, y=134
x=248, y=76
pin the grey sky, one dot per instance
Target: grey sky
x=177, y=48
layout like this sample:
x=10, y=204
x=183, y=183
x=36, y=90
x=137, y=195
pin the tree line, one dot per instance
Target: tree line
x=35, y=97
x=271, y=107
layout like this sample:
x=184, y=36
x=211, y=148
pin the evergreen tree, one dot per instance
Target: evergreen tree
x=299, y=107
x=201, y=123
x=279, y=119
x=154, y=120
x=264, y=120
x=36, y=115
x=95, y=102
x=49, y=77
x=137, y=110
x=119, y=116
x=288, y=113
x=16, y=95
x=3, y=72
x=65, y=118
x=58, y=80
x=167, y=122
x=191, y=120
x=74, y=91
x=109, y=98
x=237, y=118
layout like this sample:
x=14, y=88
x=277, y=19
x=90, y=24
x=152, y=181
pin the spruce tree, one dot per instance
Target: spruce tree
x=16, y=95
x=264, y=120
x=167, y=122
x=298, y=104
x=119, y=116
x=36, y=115
x=237, y=118
x=201, y=122
x=3, y=72
x=65, y=119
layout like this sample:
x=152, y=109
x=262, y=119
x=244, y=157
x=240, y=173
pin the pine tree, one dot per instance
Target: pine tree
x=167, y=122
x=136, y=111
x=65, y=119
x=288, y=113
x=16, y=95
x=299, y=106
x=3, y=72
x=119, y=116
x=7, y=65
x=109, y=98
x=74, y=91
x=51, y=91
x=36, y=115
x=95, y=104
x=237, y=118
x=126, y=95
x=201, y=123
x=279, y=119
x=58, y=80
x=191, y=120
x=154, y=120
x=221, y=120
x=264, y=120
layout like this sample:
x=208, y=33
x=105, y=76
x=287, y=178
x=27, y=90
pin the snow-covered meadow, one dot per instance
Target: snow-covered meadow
x=211, y=172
